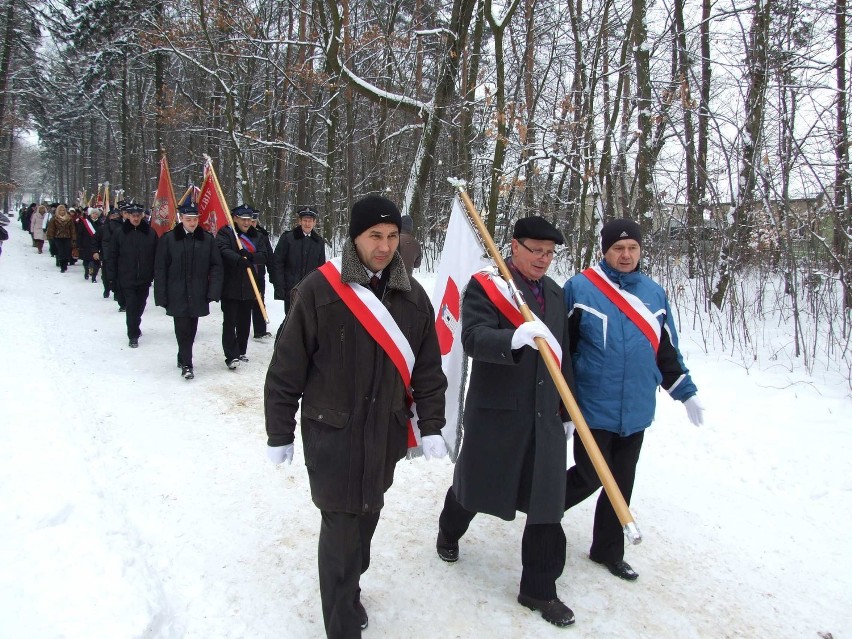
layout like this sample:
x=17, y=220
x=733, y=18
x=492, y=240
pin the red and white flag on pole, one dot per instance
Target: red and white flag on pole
x=164, y=208
x=461, y=257
x=212, y=209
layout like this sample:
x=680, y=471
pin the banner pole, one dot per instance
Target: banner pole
x=629, y=527
x=173, y=203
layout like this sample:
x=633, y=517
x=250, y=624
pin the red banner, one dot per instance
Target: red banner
x=164, y=207
x=212, y=208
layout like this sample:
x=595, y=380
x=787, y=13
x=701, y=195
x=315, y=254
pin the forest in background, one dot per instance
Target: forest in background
x=721, y=127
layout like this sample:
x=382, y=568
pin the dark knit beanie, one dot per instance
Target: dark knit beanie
x=372, y=210
x=621, y=229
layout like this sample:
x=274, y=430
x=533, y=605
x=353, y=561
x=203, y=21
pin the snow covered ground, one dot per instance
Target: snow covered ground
x=137, y=504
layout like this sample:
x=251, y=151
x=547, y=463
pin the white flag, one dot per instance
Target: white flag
x=462, y=256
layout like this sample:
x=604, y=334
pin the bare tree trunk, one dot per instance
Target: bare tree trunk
x=445, y=92
x=528, y=135
x=125, y=127
x=498, y=29
x=160, y=62
x=6, y=64
x=842, y=203
x=643, y=194
x=471, y=80
x=756, y=64
x=693, y=211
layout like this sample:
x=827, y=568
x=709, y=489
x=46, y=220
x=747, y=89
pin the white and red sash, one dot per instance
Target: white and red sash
x=498, y=292
x=379, y=323
x=90, y=228
x=627, y=303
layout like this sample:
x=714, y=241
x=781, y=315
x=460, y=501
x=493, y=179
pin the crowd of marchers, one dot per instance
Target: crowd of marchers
x=188, y=267
x=358, y=355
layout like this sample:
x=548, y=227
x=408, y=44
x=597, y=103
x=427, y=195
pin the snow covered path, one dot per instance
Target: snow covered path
x=137, y=504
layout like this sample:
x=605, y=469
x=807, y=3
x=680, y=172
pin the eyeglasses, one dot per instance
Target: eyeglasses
x=539, y=252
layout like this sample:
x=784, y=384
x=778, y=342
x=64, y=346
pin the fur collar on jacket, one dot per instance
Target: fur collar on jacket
x=352, y=269
x=127, y=227
x=299, y=234
x=180, y=232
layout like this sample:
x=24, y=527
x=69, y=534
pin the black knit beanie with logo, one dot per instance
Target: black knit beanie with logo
x=372, y=210
x=621, y=229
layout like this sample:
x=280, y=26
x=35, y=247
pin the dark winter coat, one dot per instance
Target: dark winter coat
x=105, y=235
x=410, y=251
x=513, y=456
x=296, y=255
x=237, y=285
x=354, y=414
x=87, y=244
x=264, y=238
x=132, y=254
x=188, y=272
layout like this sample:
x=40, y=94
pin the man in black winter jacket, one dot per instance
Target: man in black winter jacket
x=332, y=365
x=257, y=320
x=238, y=297
x=131, y=264
x=187, y=277
x=298, y=252
x=103, y=239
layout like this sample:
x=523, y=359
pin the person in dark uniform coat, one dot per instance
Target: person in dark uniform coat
x=238, y=297
x=409, y=247
x=514, y=453
x=87, y=243
x=354, y=410
x=298, y=252
x=187, y=277
x=104, y=243
x=259, y=324
x=131, y=264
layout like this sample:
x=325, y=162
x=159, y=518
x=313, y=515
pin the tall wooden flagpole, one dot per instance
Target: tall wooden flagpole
x=631, y=531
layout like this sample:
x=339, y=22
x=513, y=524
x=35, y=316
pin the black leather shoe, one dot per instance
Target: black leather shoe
x=134, y=343
x=447, y=550
x=552, y=610
x=362, y=614
x=620, y=569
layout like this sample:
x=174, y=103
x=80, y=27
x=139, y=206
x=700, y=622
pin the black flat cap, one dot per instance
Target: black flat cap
x=537, y=228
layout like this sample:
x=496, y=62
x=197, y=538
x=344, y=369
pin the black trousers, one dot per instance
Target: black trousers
x=542, y=548
x=236, y=324
x=621, y=455
x=135, y=300
x=63, y=250
x=343, y=556
x=92, y=268
x=257, y=320
x=185, y=330
x=106, y=283
x=119, y=293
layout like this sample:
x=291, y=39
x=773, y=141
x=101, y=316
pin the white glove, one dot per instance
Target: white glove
x=280, y=454
x=526, y=333
x=433, y=446
x=695, y=410
x=569, y=429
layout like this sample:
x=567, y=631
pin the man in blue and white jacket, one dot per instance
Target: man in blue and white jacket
x=623, y=347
